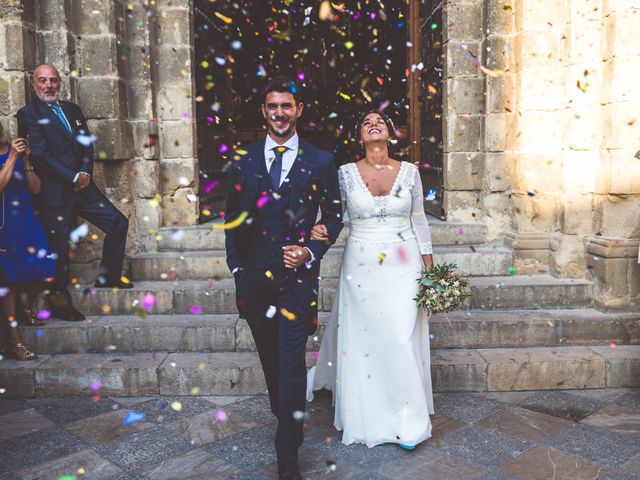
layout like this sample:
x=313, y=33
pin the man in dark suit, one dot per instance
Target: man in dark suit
x=274, y=193
x=62, y=154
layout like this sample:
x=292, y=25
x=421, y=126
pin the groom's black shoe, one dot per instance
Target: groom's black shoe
x=289, y=471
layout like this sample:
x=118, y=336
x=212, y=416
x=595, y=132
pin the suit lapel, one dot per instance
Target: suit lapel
x=300, y=174
x=253, y=169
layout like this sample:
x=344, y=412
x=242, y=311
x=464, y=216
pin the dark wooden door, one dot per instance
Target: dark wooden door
x=352, y=60
x=431, y=106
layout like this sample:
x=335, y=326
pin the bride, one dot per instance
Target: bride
x=374, y=355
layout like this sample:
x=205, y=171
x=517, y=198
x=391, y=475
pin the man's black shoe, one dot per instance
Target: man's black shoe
x=103, y=283
x=68, y=313
x=289, y=471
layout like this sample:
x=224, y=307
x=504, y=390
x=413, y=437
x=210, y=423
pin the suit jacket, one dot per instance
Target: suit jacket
x=313, y=180
x=56, y=155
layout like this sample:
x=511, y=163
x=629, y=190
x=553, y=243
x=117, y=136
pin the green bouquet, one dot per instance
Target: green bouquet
x=442, y=289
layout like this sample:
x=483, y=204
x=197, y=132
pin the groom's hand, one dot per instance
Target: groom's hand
x=295, y=256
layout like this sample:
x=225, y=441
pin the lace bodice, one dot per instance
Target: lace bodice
x=395, y=216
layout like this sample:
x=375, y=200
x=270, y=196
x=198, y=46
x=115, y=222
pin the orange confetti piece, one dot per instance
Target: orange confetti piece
x=224, y=18
x=287, y=314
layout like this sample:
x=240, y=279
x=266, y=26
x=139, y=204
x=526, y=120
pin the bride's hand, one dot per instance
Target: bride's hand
x=319, y=232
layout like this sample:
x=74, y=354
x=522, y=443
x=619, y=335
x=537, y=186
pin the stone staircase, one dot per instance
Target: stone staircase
x=517, y=332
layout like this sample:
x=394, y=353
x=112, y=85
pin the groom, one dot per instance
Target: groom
x=277, y=186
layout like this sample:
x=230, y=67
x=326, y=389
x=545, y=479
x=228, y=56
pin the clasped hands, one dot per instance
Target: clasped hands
x=20, y=146
x=295, y=256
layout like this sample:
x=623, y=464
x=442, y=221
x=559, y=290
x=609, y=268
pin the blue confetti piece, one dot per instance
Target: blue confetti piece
x=39, y=333
x=133, y=417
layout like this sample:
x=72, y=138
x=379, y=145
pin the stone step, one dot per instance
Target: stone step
x=482, y=260
x=228, y=333
x=218, y=296
x=239, y=373
x=208, y=237
x=530, y=292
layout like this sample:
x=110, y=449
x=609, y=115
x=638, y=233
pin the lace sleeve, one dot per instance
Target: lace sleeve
x=343, y=193
x=419, y=223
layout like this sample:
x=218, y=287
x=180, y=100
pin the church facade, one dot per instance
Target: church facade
x=537, y=112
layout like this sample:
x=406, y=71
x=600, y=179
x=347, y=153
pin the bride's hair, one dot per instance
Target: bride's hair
x=390, y=126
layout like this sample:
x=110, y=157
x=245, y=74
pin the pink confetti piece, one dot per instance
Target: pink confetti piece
x=148, y=301
x=196, y=310
x=262, y=201
x=223, y=148
x=221, y=416
x=211, y=185
x=402, y=255
x=95, y=386
x=43, y=314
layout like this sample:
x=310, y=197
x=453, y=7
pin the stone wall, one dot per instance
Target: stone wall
x=130, y=68
x=542, y=129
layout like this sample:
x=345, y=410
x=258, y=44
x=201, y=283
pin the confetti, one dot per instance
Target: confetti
x=43, y=314
x=86, y=140
x=233, y=224
x=79, y=232
x=330, y=466
x=614, y=344
x=381, y=257
x=133, y=417
x=95, y=386
x=511, y=271
x=287, y=314
x=177, y=406
x=262, y=201
x=196, y=310
x=224, y=18
x=148, y=301
x=431, y=195
x=221, y=416
x=271, y=311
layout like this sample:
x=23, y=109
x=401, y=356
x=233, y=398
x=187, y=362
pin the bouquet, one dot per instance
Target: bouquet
x=441, y=289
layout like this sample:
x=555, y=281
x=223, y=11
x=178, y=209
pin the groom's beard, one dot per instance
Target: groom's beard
x=281, y=133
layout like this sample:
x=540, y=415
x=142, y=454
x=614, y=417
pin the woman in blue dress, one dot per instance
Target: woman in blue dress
x=25, y=259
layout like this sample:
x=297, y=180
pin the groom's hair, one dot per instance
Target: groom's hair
x=283, y=84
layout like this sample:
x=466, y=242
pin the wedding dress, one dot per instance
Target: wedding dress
x=374, y=355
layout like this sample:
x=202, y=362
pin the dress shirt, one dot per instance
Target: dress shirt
x=288, y=157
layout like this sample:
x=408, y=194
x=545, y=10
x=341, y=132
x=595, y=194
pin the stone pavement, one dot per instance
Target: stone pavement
x=587, y=434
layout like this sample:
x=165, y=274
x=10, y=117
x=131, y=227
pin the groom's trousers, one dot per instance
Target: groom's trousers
x=280, y=305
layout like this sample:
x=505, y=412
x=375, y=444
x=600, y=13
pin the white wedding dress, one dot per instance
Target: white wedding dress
x=374, y=355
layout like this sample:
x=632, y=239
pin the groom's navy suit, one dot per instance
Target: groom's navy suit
x=280, y=304
x=57, y=157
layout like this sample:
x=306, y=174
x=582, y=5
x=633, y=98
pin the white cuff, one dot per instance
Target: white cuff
x=75, y=179
x=309, y=263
